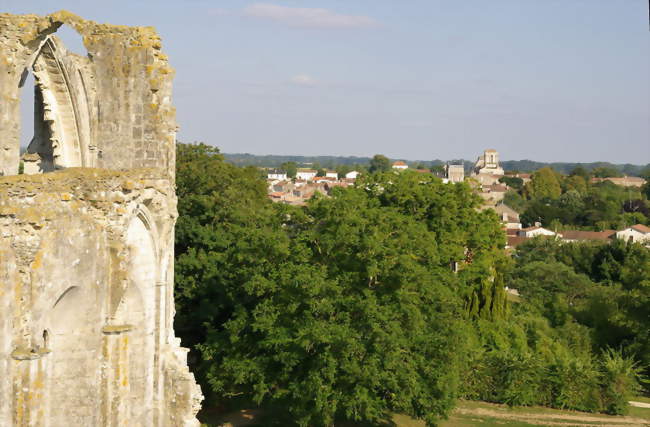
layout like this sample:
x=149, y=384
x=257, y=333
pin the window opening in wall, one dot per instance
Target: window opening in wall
x=35, y=134
x=26, y=115
x=46, y=339
x=50, y=137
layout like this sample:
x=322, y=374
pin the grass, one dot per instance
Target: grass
x=467, y=414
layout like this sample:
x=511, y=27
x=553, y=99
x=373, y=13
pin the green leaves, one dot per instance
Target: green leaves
x=346, y=308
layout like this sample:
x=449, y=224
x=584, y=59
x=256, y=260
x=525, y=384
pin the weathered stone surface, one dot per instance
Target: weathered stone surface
x=86, y=251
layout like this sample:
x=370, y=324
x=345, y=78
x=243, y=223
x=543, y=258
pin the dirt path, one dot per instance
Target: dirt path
x=639, y=404
x=553, y=419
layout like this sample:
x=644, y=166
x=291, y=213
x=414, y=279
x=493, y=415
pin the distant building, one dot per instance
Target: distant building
x=276, y=174
x=493, y=193
x=626, y=181
x=525, y=177
x=332, y=174
x=324, y=179
x=509, y=216
x=306, y=174
x=638, y=233
x=578, y=235
x=535, y=231
x=455, y=173
x=487, y=169
x=400, y=165
x=352, y=175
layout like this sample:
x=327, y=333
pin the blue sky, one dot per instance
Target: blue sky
x=549, y=80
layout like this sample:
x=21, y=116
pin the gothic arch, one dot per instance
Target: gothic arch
x=62, y=110
x=136, y=312
x=69, y=338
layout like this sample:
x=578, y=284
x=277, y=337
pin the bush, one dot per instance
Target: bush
x=620, y=381
x=552, y=367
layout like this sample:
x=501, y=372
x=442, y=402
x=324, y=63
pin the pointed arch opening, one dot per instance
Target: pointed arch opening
x=60, y=113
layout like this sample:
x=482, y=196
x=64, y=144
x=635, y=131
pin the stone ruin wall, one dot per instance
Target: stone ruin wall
x=87, y=233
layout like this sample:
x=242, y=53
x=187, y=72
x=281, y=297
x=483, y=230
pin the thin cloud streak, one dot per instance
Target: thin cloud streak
x=303, y=80
x=308, y=17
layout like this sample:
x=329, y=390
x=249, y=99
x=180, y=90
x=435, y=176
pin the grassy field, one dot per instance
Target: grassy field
x=485, y=414
x=467, y=414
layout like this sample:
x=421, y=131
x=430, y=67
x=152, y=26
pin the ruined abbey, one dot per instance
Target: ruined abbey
x=87, y=216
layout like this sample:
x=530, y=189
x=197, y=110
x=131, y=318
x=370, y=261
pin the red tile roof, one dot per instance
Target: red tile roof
x=587, y=235
x=641, y=228
x=514, y=241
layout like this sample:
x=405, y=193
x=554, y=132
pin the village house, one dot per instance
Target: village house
x=324, y=179
x=509, y=216
x=536, y=230
x=332, y=174
x=352, y=175
x=400, y=165
x=638, y=233
x=454, y=173
x=276, y=174
x=306, y=174
x=626, y=181
x=579, y=236
x=281, y=186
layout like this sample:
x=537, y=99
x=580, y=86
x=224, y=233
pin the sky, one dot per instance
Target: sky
x=546, y=80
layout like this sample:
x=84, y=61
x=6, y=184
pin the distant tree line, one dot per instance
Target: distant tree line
x=332, y=162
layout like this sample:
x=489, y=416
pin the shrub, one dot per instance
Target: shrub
x=620, y=381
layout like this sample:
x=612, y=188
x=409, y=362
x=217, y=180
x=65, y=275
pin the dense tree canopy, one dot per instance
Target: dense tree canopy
x=389, y=296
x=574, y=202
x=544, y=184
x=379, y=163
x=348, y=308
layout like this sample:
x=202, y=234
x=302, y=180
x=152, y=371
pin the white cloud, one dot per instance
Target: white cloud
x=307, y=17
x=303, y=80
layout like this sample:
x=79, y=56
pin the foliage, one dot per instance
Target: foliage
x=512, y=182
x=291, y=168
x=379, y=163
x=544, y=184
x=601, y=206
x=605, y=287
x=347, y=308
x=514, y=200
x=523, y=361
x=621, y=376
x=606, y=172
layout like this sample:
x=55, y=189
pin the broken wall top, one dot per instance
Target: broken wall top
x=111, y=109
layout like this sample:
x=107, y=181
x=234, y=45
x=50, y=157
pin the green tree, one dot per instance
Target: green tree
x=607, y=172
x=544, y=184
x=344, y=309
x=291, y=168
x=581, y=172
x=379, y=163
x=575, y=182
x=513, y=199
x=512, y=182
x=342, y=170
